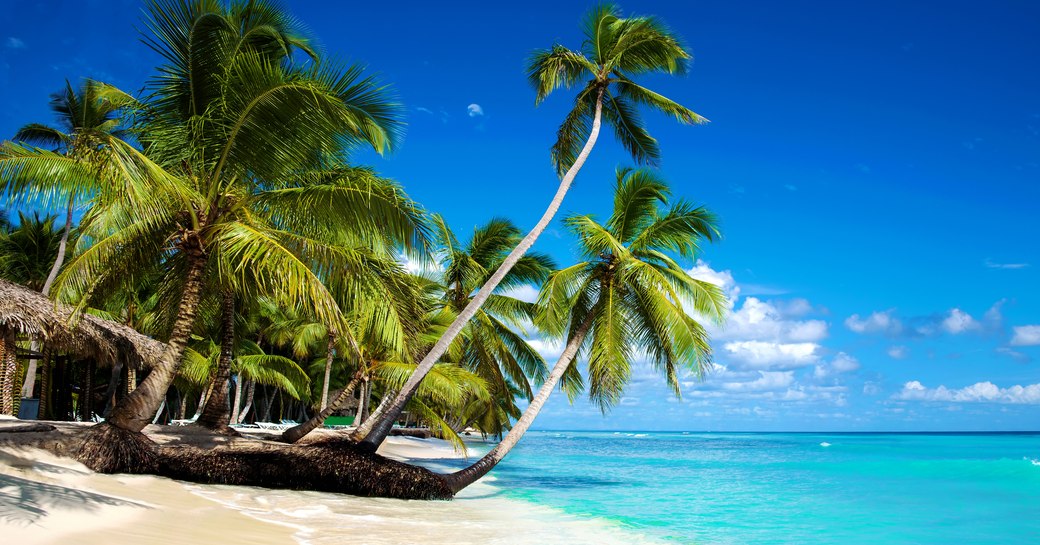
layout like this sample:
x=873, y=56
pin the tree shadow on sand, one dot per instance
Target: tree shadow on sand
x=25, y=502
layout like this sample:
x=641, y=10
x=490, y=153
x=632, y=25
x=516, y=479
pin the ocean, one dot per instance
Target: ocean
x=705, y=489
x=778, y=488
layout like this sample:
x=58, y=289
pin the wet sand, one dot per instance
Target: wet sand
x=45, y=499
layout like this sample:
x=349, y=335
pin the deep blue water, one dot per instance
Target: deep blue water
x=759, y=488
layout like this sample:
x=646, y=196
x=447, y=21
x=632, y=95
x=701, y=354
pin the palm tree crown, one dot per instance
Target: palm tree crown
x=635, y=297
x=616, y=50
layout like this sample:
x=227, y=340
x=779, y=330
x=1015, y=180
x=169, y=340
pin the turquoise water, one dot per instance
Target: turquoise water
x=748, y=488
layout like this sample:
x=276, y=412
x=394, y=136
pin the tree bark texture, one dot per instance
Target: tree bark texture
x=216, y=415
x=375, y=430
x=465, y=477
x=135, y=411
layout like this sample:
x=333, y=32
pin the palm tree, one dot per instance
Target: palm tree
x=616, y=50
x=492, y=344
x=241, y=142
x=250, y=365
x=86, y=122
x=385, y=323
x=629, y=297
x=27, y=251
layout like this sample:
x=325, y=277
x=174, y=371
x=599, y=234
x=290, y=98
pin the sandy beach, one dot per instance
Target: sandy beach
x=46, y=499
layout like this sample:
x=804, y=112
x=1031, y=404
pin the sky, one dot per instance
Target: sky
x=875, y=167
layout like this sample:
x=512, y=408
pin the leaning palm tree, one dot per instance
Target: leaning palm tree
x=616, y=50
x=241, y=142
x=628, y=298
x=87, y=122
x=492, y=345
x=385, y=323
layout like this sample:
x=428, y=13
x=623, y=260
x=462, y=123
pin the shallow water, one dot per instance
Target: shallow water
x=581, y=487
x=724, y=488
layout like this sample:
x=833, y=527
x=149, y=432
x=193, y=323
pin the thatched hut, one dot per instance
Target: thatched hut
x=28, y=313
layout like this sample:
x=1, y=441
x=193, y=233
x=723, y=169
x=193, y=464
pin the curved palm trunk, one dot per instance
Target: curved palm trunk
x=30, y=372
x=298, y=432
x=465, y=477
x=136, y=410
x=374, y=431
x=216, y=415
x=235, y=411
x=329, y=352
x=251, y=387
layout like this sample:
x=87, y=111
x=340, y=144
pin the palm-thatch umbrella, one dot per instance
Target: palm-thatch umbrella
x=26, y=312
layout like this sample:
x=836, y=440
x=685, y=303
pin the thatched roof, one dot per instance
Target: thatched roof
x=30, y=313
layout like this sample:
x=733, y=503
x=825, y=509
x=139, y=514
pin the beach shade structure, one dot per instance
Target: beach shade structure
x=27, y=313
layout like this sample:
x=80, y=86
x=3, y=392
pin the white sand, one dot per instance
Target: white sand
x=45, y=499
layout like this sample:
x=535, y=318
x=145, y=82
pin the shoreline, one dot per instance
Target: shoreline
x=48, y=499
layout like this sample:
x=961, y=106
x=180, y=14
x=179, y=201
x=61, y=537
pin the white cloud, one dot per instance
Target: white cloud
x=761, y=320
x=980, y=392
x=953, y=322
x=767, y=380
x=771, y=355
x=723, y=279
x=14, y=43
x=549, y=349
x=474, y=110
x=877, y=322
x=526, y=293
x=424, y=110
x=898, y=352
x=993, y=265
x=1026, y=335
x=794, y=307
x=1014, y=354
x=958, y=322
x=842, y=363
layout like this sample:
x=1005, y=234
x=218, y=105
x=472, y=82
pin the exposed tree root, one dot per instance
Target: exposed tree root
x=327, y=465
x=111, y=449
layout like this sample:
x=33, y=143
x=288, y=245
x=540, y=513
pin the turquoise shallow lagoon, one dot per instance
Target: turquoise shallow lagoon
x=759, y=488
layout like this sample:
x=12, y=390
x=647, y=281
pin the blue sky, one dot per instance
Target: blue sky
x=875, y=167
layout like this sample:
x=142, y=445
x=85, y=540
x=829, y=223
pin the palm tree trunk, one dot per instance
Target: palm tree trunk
x=239, y=386
x=30, y=373
x=45, y=382
x=215, y=415
x=250, y=389
x=184, y=405
x=268, y=404
x=202, y=402
x=329, y=352
x=362, y=406
x=465, y=477
x=131, y=380
x=113, y=388
x=135, y=411
x=298, y=432
x=159, y=412
x=375, y=430
x=9, y=365
x=87, y=398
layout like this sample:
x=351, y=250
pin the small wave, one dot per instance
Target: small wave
x=639, y=435
x=1034, y=461
x=825, y=444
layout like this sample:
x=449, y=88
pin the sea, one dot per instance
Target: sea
x=711, y=489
